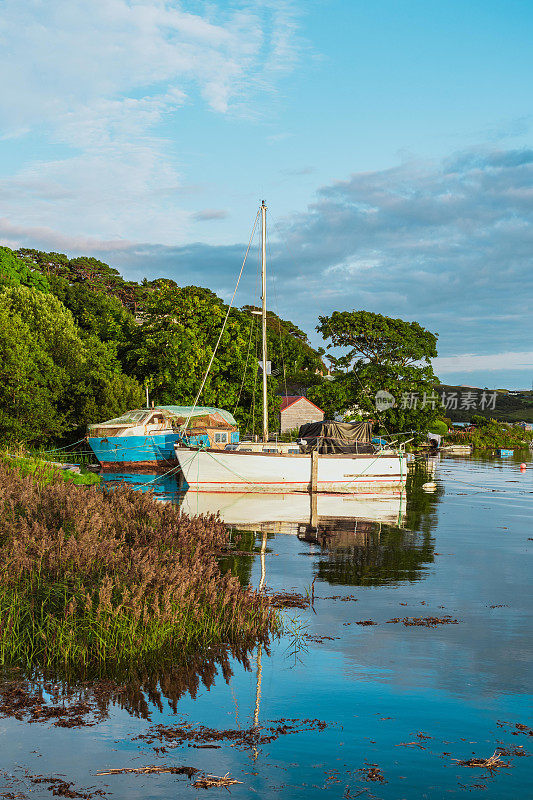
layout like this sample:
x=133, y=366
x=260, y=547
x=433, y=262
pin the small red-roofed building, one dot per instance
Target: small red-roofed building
x=296, y=410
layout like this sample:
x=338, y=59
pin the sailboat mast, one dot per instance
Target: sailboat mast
x=263, y=318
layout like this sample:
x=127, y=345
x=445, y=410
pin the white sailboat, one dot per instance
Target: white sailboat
x=273, y=468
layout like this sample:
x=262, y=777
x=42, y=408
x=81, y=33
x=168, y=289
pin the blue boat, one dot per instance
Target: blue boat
x=504, y=453
x=144, y=439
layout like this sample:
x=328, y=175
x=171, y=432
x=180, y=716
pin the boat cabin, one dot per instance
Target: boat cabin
x=210, y=430
x=139, y=422
x=206, y=426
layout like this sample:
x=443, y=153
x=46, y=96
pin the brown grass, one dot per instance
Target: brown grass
x=93, y=577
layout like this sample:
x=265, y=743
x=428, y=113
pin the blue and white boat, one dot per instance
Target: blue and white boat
x=144, y=438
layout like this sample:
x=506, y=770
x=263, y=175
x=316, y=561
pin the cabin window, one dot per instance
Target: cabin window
x=293, y=450
x=270, y=450
x=221, y=438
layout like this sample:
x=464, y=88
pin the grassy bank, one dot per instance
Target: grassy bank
x=99, y=579
x=491, y=436
x=44, y=471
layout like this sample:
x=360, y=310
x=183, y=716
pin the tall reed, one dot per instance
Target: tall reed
x=94, y=578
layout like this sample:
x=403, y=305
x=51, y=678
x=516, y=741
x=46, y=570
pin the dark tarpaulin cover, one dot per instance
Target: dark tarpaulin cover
x=336, y=437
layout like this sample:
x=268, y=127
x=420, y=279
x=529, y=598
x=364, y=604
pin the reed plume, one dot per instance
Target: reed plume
x=92, y=577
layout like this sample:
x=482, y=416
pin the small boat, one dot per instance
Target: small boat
x=344, y=462
x=237, y=470
x=456, y=449
x=143, y=439
x=504, y=453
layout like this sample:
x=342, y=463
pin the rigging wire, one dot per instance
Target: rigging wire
x=186, y=424
x=256, y=342
x=245, y=366
x=252, y=327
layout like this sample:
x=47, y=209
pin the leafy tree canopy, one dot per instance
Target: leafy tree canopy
x=377, y=338
x=51, y=379
x=384, y=354
x=95, y=274
x=15, y=272
x=95, y=312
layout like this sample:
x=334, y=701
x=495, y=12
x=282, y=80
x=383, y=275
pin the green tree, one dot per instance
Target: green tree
x=96, y=313
x=29, y=384
x=94, y=274
x=52, y=380
x=15, y=272
x=173, y=346
x=385, y=354
x=439, y=427
x=334, y=396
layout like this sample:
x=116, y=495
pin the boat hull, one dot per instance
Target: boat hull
x=132, y=453
x=234, y=471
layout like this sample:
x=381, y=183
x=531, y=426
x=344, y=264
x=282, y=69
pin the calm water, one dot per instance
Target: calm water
x=407, y=699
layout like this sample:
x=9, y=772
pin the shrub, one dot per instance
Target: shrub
x=439, y=427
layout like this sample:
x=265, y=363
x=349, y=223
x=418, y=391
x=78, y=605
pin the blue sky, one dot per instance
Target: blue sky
x=391, y=141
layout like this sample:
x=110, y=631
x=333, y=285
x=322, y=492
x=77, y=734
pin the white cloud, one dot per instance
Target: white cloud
x=16, y=236
x=468, y=362
x=98, y=77
x=446, y=243
x=60, y=55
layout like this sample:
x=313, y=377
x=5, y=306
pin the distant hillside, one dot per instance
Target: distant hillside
x=508, y=407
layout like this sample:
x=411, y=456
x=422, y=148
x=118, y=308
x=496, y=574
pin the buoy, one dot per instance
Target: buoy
x=522, y=467
x=429, y=487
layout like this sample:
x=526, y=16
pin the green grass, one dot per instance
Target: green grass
x=43, y=472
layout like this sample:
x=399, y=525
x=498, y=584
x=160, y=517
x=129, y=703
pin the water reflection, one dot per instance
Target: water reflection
x=412, y=699
x=364, y=540
x=164, y=487
x=69, y=703
x=371, y=554
x=278, y=513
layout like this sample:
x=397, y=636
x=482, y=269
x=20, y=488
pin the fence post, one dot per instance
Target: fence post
x=314, y=470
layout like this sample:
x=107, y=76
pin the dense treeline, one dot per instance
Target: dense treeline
x=78, y=344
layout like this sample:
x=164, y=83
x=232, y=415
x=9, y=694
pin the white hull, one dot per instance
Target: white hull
x=234, y=471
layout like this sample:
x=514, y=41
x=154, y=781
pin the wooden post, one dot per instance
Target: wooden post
x=314, y=511
x=314, y=470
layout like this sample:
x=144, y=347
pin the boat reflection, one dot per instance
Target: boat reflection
x=368, y=553
x=274, y=513
x=364, y=540
x=287, y=513
x=164, y=487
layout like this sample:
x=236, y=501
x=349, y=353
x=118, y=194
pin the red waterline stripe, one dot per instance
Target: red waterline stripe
x=287, y=483
x=299, y=491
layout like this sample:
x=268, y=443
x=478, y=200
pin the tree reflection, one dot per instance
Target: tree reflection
x=69, y=702
x=360, y=552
